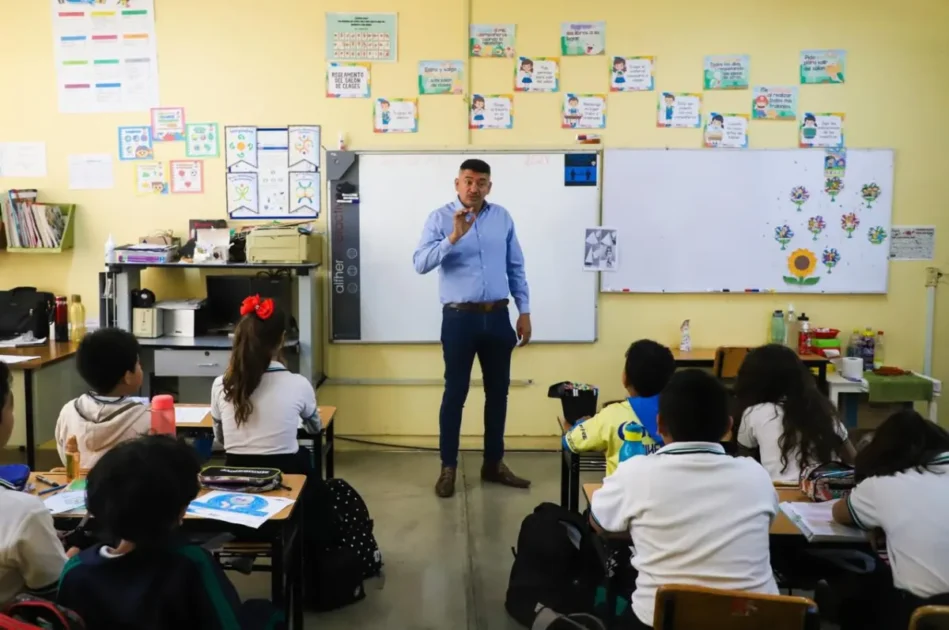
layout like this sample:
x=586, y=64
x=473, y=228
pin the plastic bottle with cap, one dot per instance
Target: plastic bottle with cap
x=72, y=458
x=163, y=415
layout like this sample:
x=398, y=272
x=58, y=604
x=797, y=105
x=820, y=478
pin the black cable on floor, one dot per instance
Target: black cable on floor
x=435, y=449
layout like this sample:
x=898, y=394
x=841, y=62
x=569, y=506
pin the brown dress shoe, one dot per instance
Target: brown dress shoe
x=500, y=473
x=445, y=486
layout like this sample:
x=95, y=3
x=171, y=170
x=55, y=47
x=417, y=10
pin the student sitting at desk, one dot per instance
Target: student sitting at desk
x=149, y=577
x=258, y=404
x=31, y=555
x=649, y=366
x=903, y=490
x=695, y=515
x=108, y=361
x=785, y=416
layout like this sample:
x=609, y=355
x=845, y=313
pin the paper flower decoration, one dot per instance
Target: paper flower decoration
x=799, y=196
x=870, y=192
x=849, y=222
x=801, y=264
x=830, y=258
x=783, y=234
x=816, y=225
x=876, y=235
x=833, y=186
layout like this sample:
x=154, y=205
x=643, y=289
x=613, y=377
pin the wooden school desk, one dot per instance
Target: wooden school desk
x=705, y=358
x=284, y=532
x=323, y=443
x=60, y=389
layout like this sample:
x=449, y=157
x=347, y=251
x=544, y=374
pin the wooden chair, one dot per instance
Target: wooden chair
x=930, y=618
x=727, y=361
x=680, y=607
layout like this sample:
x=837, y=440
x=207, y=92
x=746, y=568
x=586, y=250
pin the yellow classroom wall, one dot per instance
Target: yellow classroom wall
x=244, y=62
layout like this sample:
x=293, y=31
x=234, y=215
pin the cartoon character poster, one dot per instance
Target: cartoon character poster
x=822, y=130
x=679, y=109
x=491, y=111
x=537, y=74
x=774, y=103
x=395, y=115
x=726, y=131
x=582, y=38
x=584, y=111
x=491, y=40
x=823, y=66
x=135, y=143
x=726, y=72
x=632, y=74
x=150, y=179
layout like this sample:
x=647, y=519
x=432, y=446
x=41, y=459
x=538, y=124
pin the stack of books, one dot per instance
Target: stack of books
x=30, y=224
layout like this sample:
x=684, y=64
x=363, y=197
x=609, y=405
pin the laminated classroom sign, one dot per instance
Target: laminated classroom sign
x=135, y=143
x=579, y=39
x=492, y=111
x=491, y=40
x=202, y=140
x=362, y=36
x=771, y=102
x=584, y=111
x=726, y=72
x=441, y=77
x=823, y=66
x=348, y=79
x=822, y=130
x=187, y=176
x=150, y=179
x=726, y=131
x=168, y=124
x=632, y=74
x=679, y=109
x=537, y=74
x=395, y=115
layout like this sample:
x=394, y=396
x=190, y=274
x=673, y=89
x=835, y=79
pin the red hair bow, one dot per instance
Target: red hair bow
x=253, y=304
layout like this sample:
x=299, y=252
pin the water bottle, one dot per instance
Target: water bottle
x=878, y=351
x=163, y=415
x=777, y=328
x=632, y=442
x=853, y=346
x=868, y=347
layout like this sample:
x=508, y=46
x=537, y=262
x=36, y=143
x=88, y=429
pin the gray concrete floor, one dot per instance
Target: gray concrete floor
x=447, y=561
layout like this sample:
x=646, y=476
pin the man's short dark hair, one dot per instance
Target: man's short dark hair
x=139, y=489
x=477, y=166
x=105, y=356
x=694, y=407
x=649, y=366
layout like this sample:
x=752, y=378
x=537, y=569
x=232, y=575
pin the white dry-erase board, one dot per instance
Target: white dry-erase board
x=378, y=206
x=790, y=221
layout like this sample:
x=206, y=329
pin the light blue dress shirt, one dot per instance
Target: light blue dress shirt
x=485, y=265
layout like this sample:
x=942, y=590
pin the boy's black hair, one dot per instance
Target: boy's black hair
x=810, y=117
x=139, y=489
x=475, y=165
x=5, y=382
x=105, y=356
x=649, y=366
x=719, y=118
x=905, y=440
x=694, y=407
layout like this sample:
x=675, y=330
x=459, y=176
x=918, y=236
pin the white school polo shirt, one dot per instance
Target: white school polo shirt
x=281, y=401
x=912, y=507
x=31, y=556
x=761, y=427
x=696, y=516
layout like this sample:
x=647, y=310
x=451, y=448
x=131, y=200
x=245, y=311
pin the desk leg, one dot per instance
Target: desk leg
x=574, y=505
x=277, y=572
x=330, y=447
x=298, y=552
x=564, y=480
x=28, y=412
x=318, y=454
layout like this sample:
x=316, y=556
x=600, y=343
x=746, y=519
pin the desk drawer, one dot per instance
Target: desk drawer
x=210, y=363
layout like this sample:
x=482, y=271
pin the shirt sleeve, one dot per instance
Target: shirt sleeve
x=310, y=413
x=517, y=274
x=746, y=431
x=433, y=246
x=612, y=505
x=841, y=430
x=863, y=504
x=40, y=554
x=590, y=435
x=217, y=392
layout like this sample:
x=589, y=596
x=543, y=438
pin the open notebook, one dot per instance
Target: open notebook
x=816, y=522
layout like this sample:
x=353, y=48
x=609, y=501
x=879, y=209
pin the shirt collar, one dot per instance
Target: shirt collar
x=457, y=205
x=687, y=448
x=276, y=366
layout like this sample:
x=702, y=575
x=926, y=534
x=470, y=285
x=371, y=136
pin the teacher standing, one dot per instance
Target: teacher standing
x=480, y=263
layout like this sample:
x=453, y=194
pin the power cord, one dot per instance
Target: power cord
x=432, y=449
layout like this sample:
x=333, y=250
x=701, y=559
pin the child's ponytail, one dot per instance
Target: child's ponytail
x=257, y=341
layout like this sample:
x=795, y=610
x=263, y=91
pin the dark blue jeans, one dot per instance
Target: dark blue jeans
x=490, y=337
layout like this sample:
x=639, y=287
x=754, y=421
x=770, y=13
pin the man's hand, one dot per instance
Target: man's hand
x=523, y=329
x=461, y=224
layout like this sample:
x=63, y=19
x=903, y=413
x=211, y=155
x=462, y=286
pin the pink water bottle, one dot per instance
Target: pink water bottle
x=163, y=415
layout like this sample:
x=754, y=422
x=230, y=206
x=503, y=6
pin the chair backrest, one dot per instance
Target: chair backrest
x=930, y=618
x=680, y=607
x=728, y=359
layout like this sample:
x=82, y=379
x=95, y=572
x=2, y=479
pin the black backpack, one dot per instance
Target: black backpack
x=555, y=566
x=352, y=526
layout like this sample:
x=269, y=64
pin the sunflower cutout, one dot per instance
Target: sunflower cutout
x=802, y=263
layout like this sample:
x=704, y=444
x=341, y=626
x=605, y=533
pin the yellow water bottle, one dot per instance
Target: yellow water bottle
x=72, y=458
x=77, y=319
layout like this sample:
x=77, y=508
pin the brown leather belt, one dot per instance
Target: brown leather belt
x=478, y=307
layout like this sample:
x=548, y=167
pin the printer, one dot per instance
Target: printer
x=282, y=244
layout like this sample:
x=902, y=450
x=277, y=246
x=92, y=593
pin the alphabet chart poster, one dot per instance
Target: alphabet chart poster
x=273, y=172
